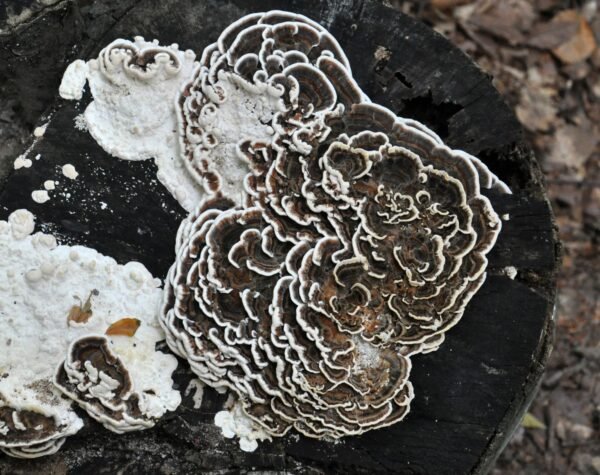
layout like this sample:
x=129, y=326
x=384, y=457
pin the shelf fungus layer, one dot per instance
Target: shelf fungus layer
x=53, y=300
x=268, y=73
x=357, y=243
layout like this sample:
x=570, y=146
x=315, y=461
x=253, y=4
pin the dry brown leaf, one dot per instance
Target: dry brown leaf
x=126, y=326
x=508, y=20
x=82, y=313
x=581, y=45
x=572, y=146
x=448, y=4
x=554, y=33
x=536, y=111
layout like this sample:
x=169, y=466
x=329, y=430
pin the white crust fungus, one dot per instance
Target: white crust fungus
x=69, y=171
x=49, y=185
x=73, y=81
x=235, y=423
x=40, y=196
x=356, y=243
x=22, y=162
x=134, y=85
x=40, y=284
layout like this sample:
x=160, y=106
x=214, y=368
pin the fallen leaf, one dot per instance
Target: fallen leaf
x=581, y=45
x=82, y=313
x=554, y=33
x=509, y=20
x=126, y=326
x=448, y=4
x=572, y=146
x=536, y=110
x=531, y=422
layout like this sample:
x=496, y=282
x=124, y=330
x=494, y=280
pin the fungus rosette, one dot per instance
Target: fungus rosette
x=96, y=378
x=343, y=262
x=406, y=224
x=235, y=307
x=268, y=73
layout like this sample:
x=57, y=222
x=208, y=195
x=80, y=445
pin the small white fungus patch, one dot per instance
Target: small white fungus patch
x=22, y=162
x=69, y=171
x=49, y=185
x=511, y=272
x=80, y=123
x=197, y=387
x=40, y=196
x=73, y=81
x=40, y=131
x=235, y=423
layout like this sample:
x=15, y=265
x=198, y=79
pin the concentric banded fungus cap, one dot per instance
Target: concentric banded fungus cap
x=95, y=377
x=234, y=309
x=406, y=224
x=348, y=257
x=268, y=73
x=28, y=433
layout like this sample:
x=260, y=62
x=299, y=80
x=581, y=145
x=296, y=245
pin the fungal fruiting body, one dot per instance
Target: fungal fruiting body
x=328, y=242
x=357, y=240
x=134, y=85
x=56, y=303
x=267, y=73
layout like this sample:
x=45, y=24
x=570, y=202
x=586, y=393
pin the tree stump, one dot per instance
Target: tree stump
x=470, y=394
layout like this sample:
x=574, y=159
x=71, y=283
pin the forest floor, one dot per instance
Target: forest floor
x=544, y=56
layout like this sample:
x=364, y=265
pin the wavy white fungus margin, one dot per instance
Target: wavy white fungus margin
x=134, y=85
x=40, y=282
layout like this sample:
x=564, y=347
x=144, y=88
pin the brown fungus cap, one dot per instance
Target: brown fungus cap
x=94, y=377
x=28, y=433
x=359, y=242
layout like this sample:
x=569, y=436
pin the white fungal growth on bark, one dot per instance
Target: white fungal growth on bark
x=73, y=81
x=40, y=196
x=235, y=423
x=69, y=171
x=50, y=297
x=134, y=85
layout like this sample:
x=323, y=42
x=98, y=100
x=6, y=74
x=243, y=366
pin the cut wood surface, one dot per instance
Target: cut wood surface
x=470, y=394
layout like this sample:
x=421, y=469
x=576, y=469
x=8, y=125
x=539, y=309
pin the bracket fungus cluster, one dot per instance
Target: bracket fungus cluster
x=328, y=242
x=357, y=240
x=54, y=297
